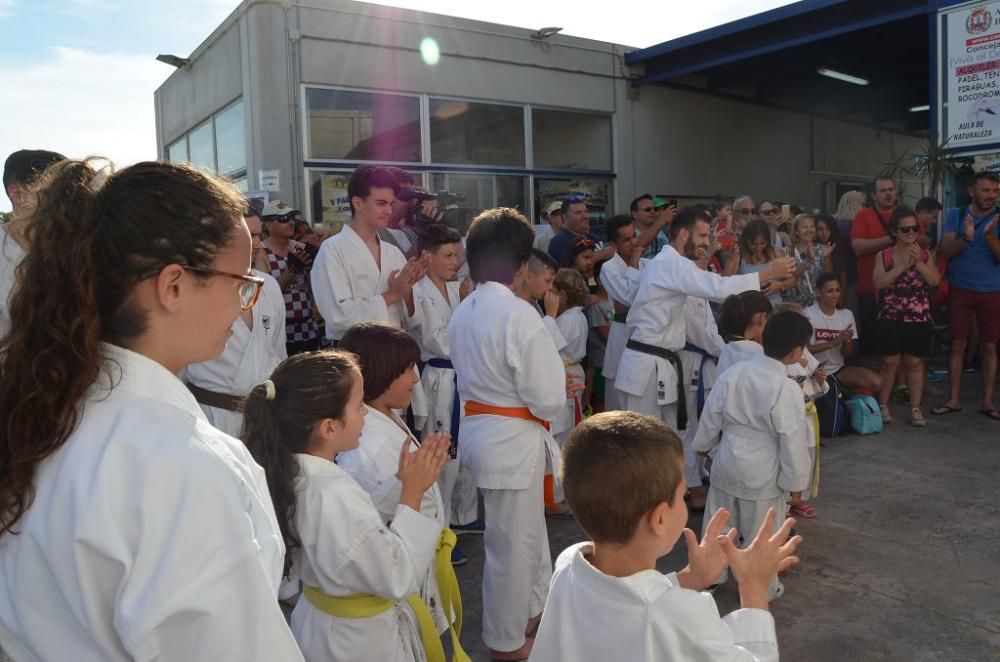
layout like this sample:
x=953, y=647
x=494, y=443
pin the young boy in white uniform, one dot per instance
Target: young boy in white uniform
x=512, y=383
x=435, y=297
x=649, y=375
x=624, y=480
x=252, y=353
x=761, y=416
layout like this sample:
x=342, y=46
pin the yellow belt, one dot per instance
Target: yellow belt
x=814, y=415
x=365, y=605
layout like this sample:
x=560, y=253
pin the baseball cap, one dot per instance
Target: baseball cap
x=555, y=206
x=278, y=208
x=659, y=202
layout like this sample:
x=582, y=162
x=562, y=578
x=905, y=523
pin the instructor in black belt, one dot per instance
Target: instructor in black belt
x=650, y=379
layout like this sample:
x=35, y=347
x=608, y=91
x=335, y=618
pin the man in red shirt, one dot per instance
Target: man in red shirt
x=869, y=235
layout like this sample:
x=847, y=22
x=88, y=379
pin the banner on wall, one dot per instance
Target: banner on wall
x=969, y=46
x=336, y=202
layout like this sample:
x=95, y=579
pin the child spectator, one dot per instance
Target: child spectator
x=572, y=291
x=624, y=479
x=760, y=414
x=834, y=333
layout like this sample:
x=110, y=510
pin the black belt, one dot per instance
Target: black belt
x=620, y=317
x=225, y=401
x=675, y=359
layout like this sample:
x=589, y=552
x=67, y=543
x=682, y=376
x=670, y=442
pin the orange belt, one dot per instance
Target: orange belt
x=473, y=408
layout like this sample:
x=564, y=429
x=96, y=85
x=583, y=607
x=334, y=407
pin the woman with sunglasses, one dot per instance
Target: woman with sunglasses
x=904, y=275
x=130, y=528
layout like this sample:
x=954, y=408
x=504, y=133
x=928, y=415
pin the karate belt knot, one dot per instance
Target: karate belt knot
x=363, y=605
x=675, y=360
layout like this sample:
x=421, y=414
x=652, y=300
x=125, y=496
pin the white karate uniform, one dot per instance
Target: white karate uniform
x=811, y=390
x=655, y=619
x=505, y=358
x=151, y=536
x=761, y=416
x=251, y=355
x=621, y=282
x=348, y=286
x=574, y=328
x=373, y=464
x=648, y=383
x=347, y=549
x=11, y=255
x=737, y=352
x=429, y=326
x=700, y=331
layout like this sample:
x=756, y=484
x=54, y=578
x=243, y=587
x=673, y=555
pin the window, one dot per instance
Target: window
x=201, y=147
x=362, y=126
x=595, y=191
x=230, y=140
x=480, y=192
x=178, y=152
x=570, y=141
x=476, y=133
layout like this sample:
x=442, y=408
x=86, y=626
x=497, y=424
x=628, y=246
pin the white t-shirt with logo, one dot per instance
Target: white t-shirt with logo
x=826, y=328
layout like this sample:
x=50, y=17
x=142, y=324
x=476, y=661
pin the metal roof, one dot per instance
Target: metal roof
x=772, y=59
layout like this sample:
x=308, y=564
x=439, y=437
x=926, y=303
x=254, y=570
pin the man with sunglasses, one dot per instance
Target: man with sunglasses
x=576, y=225
x=253, y=351
x=289, y=262
x=653, y=221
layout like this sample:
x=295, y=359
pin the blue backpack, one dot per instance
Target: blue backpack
x=831, y=410
x=866, y=418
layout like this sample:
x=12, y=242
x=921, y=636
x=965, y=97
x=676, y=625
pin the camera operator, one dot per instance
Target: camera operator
x=411, y=207
x=289, y=262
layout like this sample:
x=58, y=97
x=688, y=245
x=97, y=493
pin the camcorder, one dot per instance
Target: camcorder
x=450, y=206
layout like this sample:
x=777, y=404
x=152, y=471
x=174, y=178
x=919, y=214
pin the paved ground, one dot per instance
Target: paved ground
x=902, y=563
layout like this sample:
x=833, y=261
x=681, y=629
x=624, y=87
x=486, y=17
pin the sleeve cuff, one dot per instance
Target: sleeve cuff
x=750, y=626
x=413, y=526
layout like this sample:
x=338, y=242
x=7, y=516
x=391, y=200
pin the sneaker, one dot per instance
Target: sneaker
x=917, y=418
x=458, y=557
x=478, y=528
x=886, y=416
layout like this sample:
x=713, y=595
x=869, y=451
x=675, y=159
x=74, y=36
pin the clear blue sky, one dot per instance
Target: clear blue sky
x=79, y=75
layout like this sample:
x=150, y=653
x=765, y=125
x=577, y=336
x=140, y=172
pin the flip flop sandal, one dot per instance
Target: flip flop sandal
x=993, y=414
x=802, y=510
x=943, y=410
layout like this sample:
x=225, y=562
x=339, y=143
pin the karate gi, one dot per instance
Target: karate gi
x=648, y=383
x=251, y=355
x=811, y=390
x=652, y=619
x=373, y=465
x=574, y=328
x=737, y=352
x=700, y=372
x=621, y=282
x=347, y=549
x=348, y=286
x=151, y=536
x=11, y=255
x=429, y=326
x=505, y=358
x=760, y=413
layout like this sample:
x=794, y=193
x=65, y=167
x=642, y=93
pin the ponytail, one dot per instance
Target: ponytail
x=279, y=417
x=738, y=310
x=89, y=245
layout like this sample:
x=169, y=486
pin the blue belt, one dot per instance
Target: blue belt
x=705, y=357
x=456, y=408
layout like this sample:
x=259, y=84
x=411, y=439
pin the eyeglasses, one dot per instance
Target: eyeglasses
x=906, y=229
x=288, y=218
x=769, y=212
x=746, y=210
x=249, y=288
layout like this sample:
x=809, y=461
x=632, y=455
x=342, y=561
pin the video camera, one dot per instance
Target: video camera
x=416, y=196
